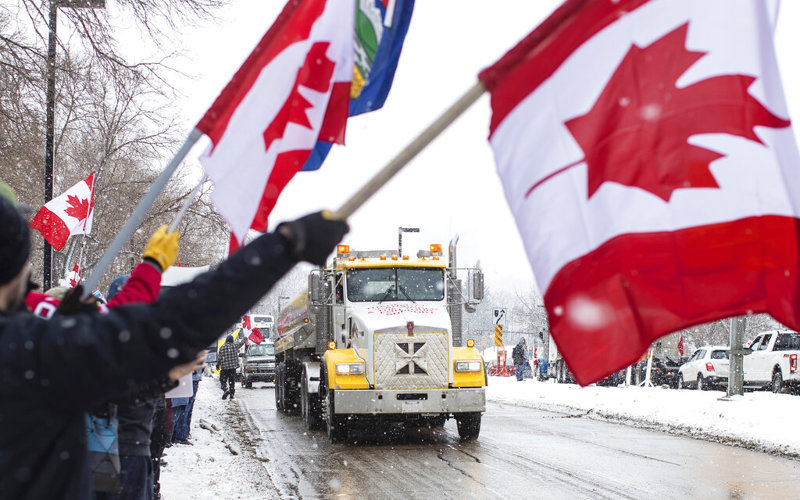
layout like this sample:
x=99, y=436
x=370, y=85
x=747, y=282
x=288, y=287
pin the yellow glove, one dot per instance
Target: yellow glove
x=162, y=247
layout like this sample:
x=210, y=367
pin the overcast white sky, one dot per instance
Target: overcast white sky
x=451, y=187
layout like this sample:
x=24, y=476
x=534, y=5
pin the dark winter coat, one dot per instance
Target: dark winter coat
x=135, y=417
x=518, y=354
x=52, y=372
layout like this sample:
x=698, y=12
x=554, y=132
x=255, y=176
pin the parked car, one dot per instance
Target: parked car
x=708, y=367
x=663, y=371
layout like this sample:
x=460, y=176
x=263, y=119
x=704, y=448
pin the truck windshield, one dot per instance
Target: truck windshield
x=261, y=350
x=391, y=284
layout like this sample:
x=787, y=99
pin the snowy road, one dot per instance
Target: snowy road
x=522, y=452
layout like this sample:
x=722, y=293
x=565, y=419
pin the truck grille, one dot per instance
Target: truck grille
x=418, y=362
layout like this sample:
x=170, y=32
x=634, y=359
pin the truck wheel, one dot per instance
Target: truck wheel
x=336, y=424
x=308, y=406
x=469, y=425
x=777, y=382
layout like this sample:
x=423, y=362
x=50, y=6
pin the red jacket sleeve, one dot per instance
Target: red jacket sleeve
x=143, y=286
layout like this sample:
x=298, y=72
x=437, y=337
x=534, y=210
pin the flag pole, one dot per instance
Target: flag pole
x=410, y=151
x=141, y=210
x=186, y=205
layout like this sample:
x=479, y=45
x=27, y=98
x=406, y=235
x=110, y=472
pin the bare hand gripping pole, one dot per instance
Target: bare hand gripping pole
x=138, y=215
x=410, y=151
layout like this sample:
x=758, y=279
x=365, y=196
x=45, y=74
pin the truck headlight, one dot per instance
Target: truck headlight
x=468, y=366
x=349, y=368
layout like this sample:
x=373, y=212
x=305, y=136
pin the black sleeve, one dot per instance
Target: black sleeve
x=73, y=361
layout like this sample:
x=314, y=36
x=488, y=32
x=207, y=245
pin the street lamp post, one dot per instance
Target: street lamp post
x=49, y=140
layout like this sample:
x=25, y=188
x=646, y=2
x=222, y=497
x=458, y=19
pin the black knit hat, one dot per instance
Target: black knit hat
x=15, y=241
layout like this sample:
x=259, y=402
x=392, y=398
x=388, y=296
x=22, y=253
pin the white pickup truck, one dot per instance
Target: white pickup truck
x=772, y=361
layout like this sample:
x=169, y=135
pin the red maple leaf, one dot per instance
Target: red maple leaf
x=315, y=74
x=78, y=207
x=636, y=133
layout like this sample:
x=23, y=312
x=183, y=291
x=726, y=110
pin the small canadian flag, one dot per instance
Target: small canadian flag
x=252, y=334
x=72, y=278
x=69, y=214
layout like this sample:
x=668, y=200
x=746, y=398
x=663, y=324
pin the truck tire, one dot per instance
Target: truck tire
x=469, y=425
x=777, y=382
x=280, y=376
x=309, y=406
x=335, y=425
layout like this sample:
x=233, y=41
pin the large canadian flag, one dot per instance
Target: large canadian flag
x=646, y=153
x=292, y=90
x=69, y=214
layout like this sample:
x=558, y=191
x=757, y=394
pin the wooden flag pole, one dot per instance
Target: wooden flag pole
x=141, y=210
x=410, y=151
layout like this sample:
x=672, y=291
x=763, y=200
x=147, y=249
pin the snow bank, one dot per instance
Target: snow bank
x=758, y=420
x=218, y=464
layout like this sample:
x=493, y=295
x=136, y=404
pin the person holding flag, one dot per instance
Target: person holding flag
x=42, y=440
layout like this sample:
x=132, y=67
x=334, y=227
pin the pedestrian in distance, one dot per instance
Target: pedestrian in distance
x=519, y=355
x=56, y=370
x=228, y=363
x=197, y=377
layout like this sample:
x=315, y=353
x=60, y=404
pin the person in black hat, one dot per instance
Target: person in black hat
x=53, y=371
x=228, y=363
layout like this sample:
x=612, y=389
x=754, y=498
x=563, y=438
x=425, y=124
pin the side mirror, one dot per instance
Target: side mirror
x=477, y=285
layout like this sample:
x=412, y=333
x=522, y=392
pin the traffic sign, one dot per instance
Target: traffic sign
x=498, y=335
x=499, y=316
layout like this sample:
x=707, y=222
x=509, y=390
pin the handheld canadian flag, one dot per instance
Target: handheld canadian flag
x=646, y=154
x=69, y=214
x=72, y=278
x=252, y=334
x=680, y=346
x=292, y=90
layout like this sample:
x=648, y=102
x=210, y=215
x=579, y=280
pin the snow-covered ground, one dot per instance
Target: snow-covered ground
x=758, y=420
x=222, y=464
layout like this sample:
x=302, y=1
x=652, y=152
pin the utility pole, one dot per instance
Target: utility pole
x=736, y=378
x=52, y=41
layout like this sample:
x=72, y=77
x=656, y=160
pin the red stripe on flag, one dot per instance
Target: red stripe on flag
x=606, y=308
x=335, y=121
x=533, y=60
x=52, y=227
x=286, y=165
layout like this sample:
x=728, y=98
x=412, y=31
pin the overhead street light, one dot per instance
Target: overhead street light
x=52, y=40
